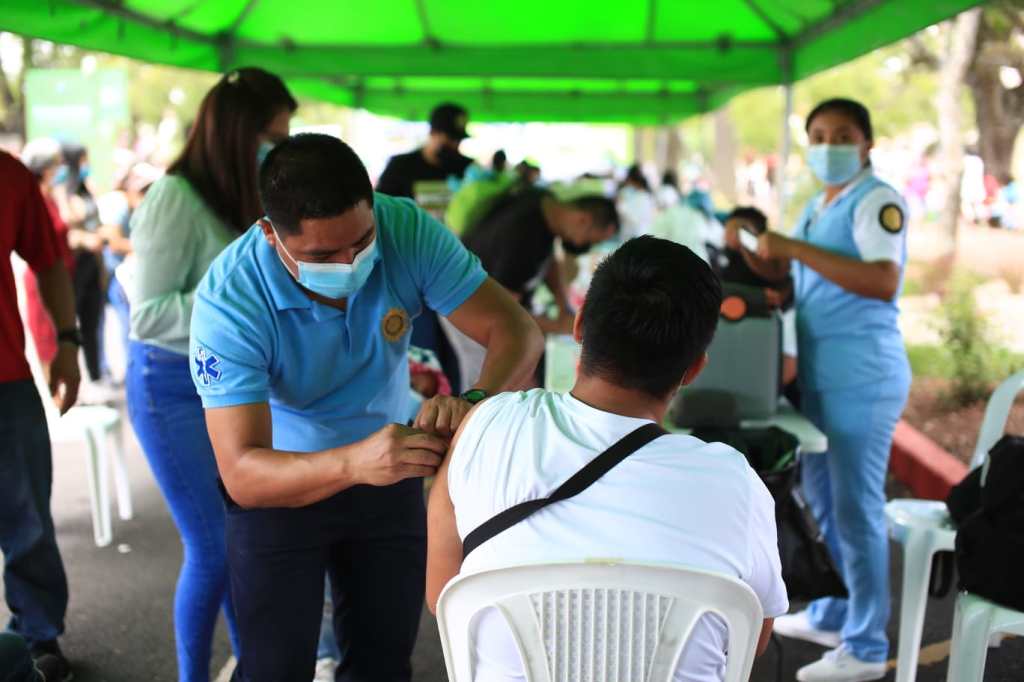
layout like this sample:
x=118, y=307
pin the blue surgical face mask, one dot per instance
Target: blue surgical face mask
x=83, y=171
x=262, y=151
x=60, y=176
x=834, y=164
x=334, y=280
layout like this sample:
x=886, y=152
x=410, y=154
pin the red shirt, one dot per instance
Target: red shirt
x=25, y=229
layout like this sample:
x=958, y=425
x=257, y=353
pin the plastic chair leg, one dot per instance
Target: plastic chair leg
x=121, y=484
x=917, y=566
x=99, y=496
x=971, y=629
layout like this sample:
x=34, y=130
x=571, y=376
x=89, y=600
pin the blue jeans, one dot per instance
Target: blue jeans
x=34, y=581
x=845, y=488
x=118, y=300
x=168, y=419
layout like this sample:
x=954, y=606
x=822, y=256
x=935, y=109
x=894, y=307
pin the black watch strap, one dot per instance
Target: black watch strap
x=73, y=335
x=474, y=395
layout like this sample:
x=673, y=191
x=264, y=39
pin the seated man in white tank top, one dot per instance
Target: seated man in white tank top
x=645, y=326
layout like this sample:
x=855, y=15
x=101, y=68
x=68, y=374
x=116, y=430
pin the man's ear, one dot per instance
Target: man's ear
x=577, y=326
x=695, y=369
x=268, y=231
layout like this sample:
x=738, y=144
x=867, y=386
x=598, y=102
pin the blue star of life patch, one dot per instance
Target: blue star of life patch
x=207, y=367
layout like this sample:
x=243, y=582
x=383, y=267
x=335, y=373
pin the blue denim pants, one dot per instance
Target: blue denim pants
x=35, y=585
x=168, y=419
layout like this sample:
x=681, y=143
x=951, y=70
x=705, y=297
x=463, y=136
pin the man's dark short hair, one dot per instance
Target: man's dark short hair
x=649, y=315
x=311, y=176
x=852, y=109
x=757, y=219
x=601, y=209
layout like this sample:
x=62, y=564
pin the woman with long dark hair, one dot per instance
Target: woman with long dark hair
x=208, y=197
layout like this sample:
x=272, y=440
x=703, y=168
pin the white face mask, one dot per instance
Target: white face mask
x=334, y=280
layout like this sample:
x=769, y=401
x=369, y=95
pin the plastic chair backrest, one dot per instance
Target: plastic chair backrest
x=31, y=354
x=993, y=425
x=598, y=621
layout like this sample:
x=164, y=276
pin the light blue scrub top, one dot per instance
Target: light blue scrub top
x=845, y=340
x=332, y=377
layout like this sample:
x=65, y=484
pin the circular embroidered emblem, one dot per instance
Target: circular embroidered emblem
x=891, y=218
x=395, y=324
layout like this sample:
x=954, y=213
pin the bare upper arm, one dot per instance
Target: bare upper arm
x=444, y=546
x=234, y=431
x=489, y=304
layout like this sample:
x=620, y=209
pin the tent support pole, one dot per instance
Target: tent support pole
x=787, y=113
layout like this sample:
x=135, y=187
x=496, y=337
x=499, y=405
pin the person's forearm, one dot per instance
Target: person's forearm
x=58, y=296
x=513, y=351
x=771, y=269
x=554, y=281
x=263, y=477
x=872, y=280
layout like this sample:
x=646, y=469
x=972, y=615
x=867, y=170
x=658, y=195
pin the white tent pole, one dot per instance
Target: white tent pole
x=780, y=170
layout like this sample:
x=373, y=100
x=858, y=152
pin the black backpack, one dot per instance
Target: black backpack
x=990, y=526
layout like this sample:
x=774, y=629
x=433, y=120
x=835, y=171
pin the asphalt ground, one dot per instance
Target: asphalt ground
x=119, y=626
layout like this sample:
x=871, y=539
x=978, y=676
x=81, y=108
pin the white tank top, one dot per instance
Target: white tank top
x=677, y=500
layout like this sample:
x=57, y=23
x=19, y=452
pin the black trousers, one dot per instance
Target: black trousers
x=90, y=298
x=372, y=543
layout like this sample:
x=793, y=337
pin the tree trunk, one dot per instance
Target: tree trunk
x=999, y=111
x=723, y=164
x=14, y=110
x=963, y=32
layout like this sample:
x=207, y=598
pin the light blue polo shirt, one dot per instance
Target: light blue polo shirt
x=331, y=377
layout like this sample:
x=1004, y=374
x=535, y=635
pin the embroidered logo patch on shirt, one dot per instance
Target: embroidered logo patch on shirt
x=207, y=367
x=395, y=324
x=891, y=218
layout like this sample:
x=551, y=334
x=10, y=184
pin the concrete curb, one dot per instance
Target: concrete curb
x=920, y=464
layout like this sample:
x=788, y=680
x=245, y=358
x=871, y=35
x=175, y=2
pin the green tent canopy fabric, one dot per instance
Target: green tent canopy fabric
x=647, y=61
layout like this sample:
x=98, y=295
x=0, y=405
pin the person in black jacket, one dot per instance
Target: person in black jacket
x=438, y=159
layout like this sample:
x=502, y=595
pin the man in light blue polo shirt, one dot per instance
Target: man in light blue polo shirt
x=299, y=337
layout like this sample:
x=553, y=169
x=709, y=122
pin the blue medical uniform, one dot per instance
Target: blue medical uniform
x=854, y=379
x=331, y=377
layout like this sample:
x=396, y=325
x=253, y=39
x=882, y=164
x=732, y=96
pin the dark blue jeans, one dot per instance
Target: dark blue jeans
x=371, y=542
x=34, y=581
x=168, y=419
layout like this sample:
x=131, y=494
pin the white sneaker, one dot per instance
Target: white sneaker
x=840, y=665
x=325, y=668
x=798, y=626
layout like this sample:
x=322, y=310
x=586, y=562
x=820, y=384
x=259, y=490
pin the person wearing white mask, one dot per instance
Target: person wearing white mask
x=299, y=340
x=848, y=255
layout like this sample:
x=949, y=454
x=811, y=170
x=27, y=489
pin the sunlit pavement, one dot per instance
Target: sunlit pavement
x=119, y=622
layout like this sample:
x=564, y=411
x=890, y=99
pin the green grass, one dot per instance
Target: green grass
x=933, y=361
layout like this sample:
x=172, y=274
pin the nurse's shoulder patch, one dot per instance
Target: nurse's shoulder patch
x=395, y=324
x=207, y=367
x=890, y=217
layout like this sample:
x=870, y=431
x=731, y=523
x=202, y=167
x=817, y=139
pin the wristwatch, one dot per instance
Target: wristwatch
x=73, y=335
x=474, y=395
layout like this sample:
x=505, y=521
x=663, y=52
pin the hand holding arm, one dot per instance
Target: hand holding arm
x=256, y=475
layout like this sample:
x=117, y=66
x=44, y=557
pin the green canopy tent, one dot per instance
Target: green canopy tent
x=650, y=61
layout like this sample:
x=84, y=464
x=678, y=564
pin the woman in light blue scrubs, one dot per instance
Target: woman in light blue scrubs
x=848, y=253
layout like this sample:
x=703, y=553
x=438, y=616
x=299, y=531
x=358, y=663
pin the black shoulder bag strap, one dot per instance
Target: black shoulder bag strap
x=576, y=484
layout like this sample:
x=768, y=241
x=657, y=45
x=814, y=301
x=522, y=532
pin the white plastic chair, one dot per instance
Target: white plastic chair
x=598, y=621
x=923, y=527
x=976, y=621
x=95, y=425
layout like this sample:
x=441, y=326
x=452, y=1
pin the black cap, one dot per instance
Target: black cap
x=450, y=119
